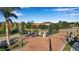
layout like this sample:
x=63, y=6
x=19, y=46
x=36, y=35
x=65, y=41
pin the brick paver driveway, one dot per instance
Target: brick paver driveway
x=42, y=44
x=58, y=41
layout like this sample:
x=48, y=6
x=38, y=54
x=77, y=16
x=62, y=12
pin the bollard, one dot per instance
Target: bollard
x=50, y=46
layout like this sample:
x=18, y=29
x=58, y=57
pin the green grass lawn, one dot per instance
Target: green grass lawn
x=36, y=30
x=2, y=35
x=67, y=47
x=2, y=49
x=78, y=34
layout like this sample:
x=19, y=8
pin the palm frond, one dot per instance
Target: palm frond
x=10, y=20
x=13, y=15
x=6, y=11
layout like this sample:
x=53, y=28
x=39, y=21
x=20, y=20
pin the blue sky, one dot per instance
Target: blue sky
x=46, y=14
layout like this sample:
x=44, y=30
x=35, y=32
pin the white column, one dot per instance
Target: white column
x=28, y=32
x=39, y=33
x=44, y=34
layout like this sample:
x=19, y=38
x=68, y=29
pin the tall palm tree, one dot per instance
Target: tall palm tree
x=7, y=12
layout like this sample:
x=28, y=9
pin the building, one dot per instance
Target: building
x=46, y=23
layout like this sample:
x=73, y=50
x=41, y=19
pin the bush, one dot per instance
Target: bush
x=14, y=31
x=0, y=32
x=2, y=49
x=42, y=27
x=67, y=47
x=53, y=28
x=36, y=30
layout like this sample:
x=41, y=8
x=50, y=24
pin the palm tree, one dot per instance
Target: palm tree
x=7, y=12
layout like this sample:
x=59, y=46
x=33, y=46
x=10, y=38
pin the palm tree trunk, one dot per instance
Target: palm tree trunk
x=7, y=32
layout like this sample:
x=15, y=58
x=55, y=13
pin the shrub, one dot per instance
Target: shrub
x=14, y=31
x=36, y=30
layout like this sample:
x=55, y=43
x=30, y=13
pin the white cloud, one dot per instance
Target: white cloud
x=73, y=11
x=73, y=14
x=17, y=13
x=28, y=7
x=64, y=9
x=25, y=7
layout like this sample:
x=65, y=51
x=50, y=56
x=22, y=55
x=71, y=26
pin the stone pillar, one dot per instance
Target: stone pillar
x=44, y=34
x=28, y=32
x=39, y=33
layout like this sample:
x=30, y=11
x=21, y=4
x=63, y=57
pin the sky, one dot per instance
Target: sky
x=45, y=14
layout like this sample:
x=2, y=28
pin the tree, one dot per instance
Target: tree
x=23, y=25
x=63, y=24
x=0, y=28
x=7, y=12
x=42, y=27
x=15, y=28
x=53, y=28
x=4, y=27
x=29, y=24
